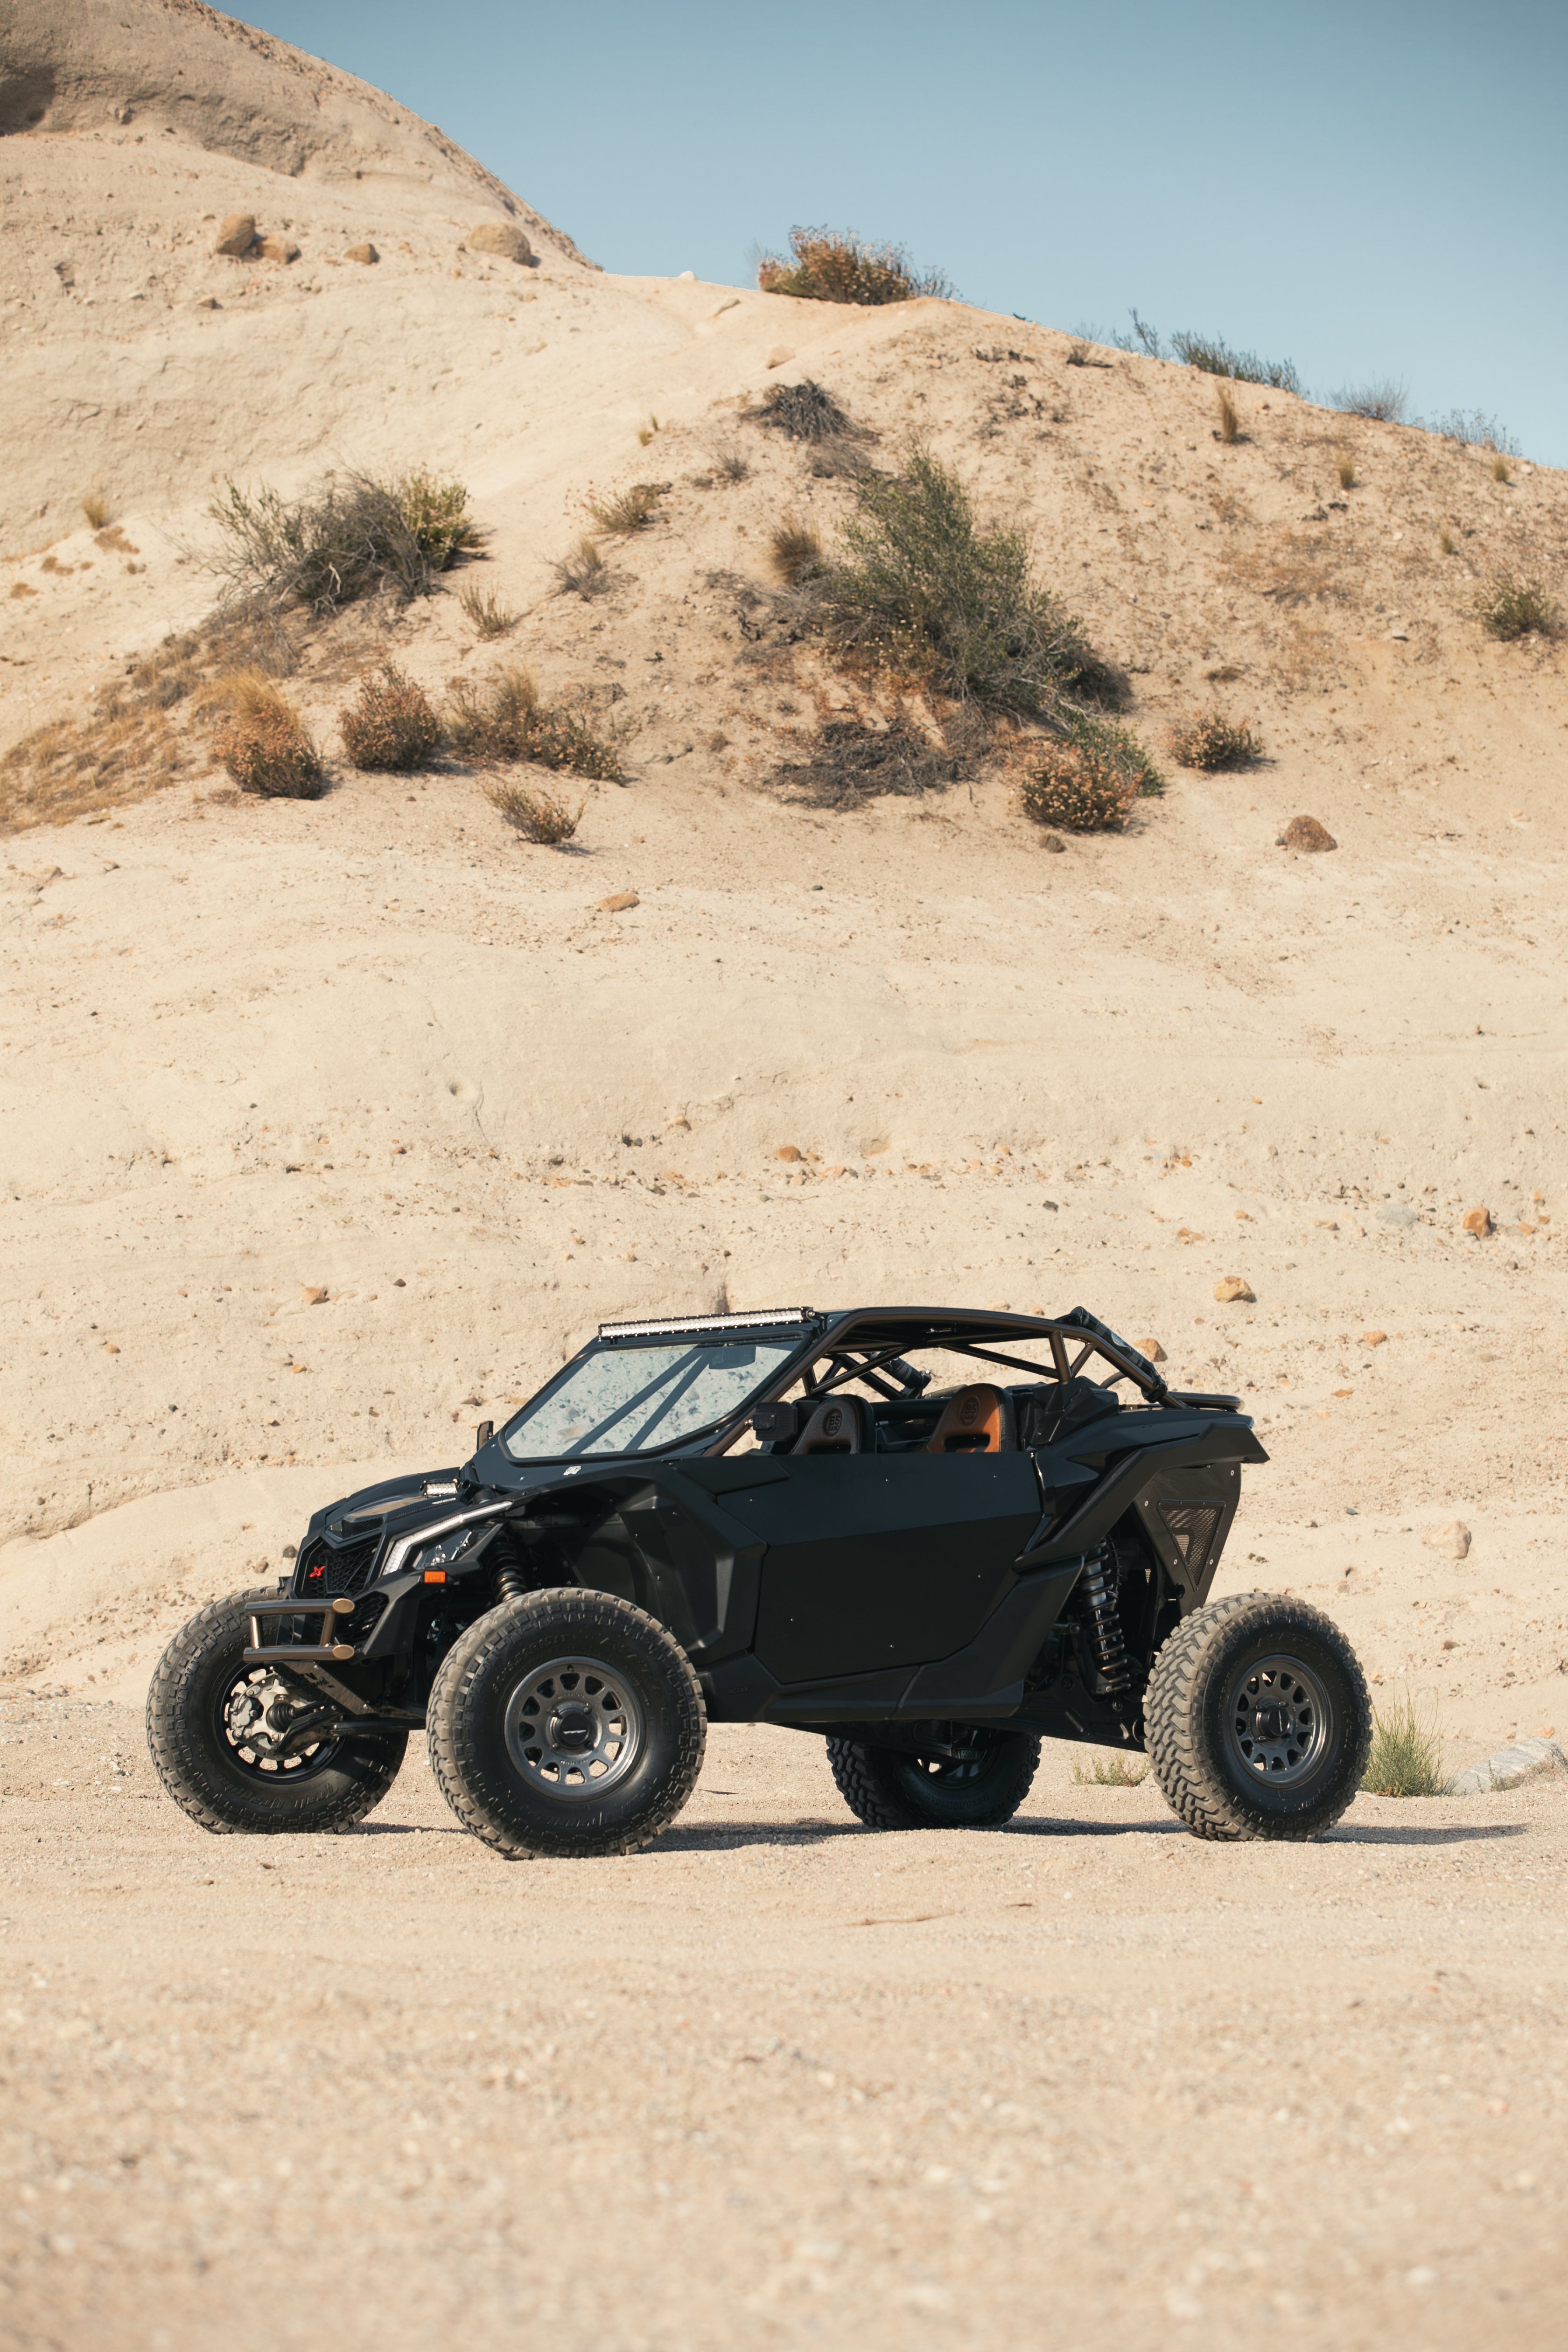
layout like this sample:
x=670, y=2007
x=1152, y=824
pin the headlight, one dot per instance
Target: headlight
x=449, y=1550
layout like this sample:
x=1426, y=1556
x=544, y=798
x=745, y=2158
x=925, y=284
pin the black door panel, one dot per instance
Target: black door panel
x=880, y=1560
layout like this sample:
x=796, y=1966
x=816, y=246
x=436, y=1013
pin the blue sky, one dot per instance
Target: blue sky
x=1372, y=191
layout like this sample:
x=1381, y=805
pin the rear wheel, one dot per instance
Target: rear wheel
x=1257, y=1719
x=225, y=1737
x=566, y=1723
x=979, y=1787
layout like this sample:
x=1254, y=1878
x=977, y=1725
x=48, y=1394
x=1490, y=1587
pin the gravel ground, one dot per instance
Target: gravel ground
x=779, y=2079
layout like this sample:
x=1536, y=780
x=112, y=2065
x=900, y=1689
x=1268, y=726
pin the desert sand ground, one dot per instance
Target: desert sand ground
x=427, y=1110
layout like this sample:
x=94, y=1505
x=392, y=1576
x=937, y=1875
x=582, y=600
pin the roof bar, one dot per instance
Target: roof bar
x=675, y=1326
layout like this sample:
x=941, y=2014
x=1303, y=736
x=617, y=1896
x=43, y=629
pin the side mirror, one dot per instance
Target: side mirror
x=483, y=1434
x=775, y=1424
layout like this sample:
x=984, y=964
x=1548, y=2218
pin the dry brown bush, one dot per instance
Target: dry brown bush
x=1210, y=740
x=390, y=729
x=501, y=720
x=272, y=754
x=535, y=812
x=1081, y=785
x=1344, y=471
x=584, y=572
x=1229, y=427
x=829, y=264
x=95, y=508
x=489, y=618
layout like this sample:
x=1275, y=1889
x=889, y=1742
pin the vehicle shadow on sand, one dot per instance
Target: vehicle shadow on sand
x=706, y=1837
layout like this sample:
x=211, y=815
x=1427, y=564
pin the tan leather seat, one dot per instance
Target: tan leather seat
x=970, y=1422
x=833, y=1428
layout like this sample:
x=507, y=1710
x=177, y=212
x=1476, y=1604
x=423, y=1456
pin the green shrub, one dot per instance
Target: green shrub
x=1210, y=741
x=502, y=719
x=1406, y=1758
x=361, y=536
x=272, y=754
x=1509, y=605
x=1117, y=1772
x=1215, y=357
x=538, y=814
x=829, y=264
x=391, y=728
x=923, y=585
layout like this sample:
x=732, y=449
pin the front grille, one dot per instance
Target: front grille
x=326, y=1569
x=365, y=1617
x=1195, y=1527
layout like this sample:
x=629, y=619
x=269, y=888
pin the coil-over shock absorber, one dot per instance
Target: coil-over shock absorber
x=1097, y=1613
x=509, y=1578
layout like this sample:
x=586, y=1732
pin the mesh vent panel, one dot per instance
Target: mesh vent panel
x=325, y=1571
x=1195, y=1527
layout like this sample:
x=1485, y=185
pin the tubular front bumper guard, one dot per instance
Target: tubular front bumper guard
x=298, y=1653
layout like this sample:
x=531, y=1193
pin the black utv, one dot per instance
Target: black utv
x=933, y=1536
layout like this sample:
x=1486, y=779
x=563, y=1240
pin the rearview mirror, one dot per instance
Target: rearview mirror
x=483, y=1434
x=775, y=1424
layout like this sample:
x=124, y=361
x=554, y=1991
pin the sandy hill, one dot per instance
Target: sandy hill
x=425, y=1109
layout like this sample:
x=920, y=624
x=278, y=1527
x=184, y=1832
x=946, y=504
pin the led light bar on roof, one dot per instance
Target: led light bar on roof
x=673, y=1326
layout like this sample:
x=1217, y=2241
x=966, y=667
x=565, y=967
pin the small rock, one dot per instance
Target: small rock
x=618, y=902
x=277, y=248
x=110, y=1348
x=1453, y=1540
x=315, y=1294
x=499, y=238
x=236, y=235
x=366, y=253
x=778, y=356
x=1527, y=1759
x=789, y=1152
x=1373, y=1339
x=686, y=277
x=207, y=302
x=1152, y=1349
x=1232, y=1286
x=1052, y=842
x=1397, y=1213
x=1399, y=636
x=1304, y=833
x=1477, y=1221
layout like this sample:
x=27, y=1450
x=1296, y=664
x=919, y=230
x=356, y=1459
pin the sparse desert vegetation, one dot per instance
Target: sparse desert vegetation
x=489, y=616
x=1211, y=739
x=95, y=508
x=1511, y=605
x=1113, y=1771
x=1344, y=471
x=390, y=727
x=805, y=412
x=535, y=812
x=1229, y=425
x=502, y=719
x=358, y=536
x=794, y=549
x=629, y=510
x=1086, y=780
x=584, y=572
x=1382, y=403
x=827, y=264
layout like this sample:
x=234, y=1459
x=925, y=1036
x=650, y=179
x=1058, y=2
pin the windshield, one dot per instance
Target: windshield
x=623, y=1400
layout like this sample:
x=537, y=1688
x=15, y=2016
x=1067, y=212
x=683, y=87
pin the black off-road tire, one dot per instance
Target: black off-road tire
x=894, y=1788
x=498, y=1712
x=203, y=1772
x=1226, y=1771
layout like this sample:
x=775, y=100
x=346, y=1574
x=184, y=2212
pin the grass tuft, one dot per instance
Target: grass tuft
x=489, y=618
x=794, y=550
x=1229, y=427
x=646, y=431
x=364, y=535
x=584, y=572
x=1385, y=402
x=1509, y=605
x=629, y=510
x=1406, y=1758
x=1499, y=470
x=1215, y=357
x=272, y=753
x=95, y=508
x=1474, y=429
x=924, y=587
x=1115, y=1772
x=1210, y=741
x=805, y=412
x=535, y=812
x=391, y=728
x=1448, y=543
x=828, y=265
x=1344, y=472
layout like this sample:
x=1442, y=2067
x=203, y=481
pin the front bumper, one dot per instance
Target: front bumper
x=329, y=1614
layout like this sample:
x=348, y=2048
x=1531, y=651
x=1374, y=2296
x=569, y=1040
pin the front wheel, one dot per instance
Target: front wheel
x=1257, y=1719
x=566, y=1723
x=226, y=1739
x=979, y=1784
